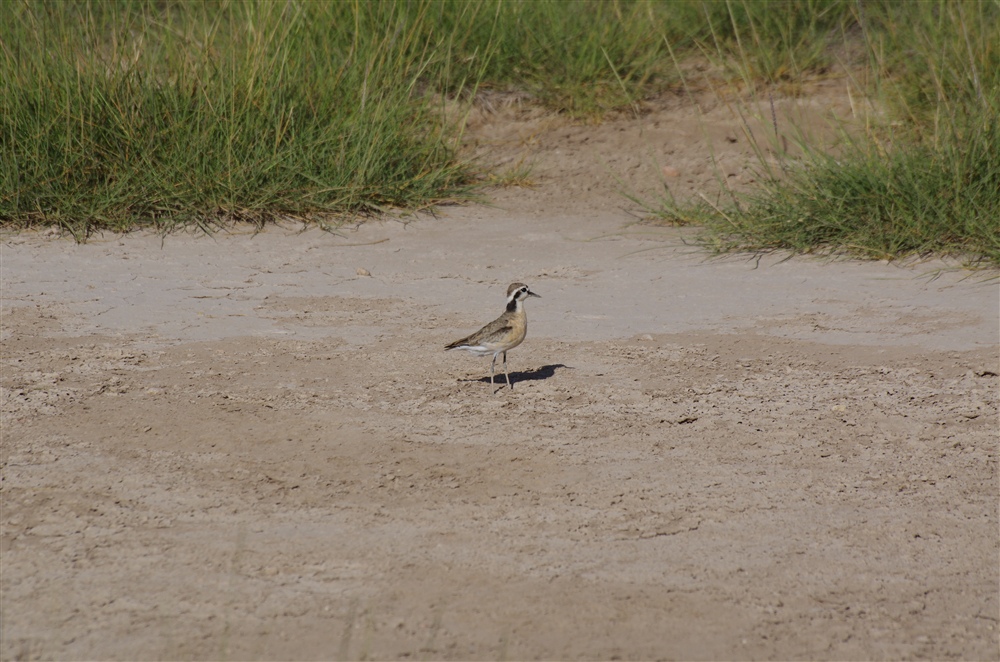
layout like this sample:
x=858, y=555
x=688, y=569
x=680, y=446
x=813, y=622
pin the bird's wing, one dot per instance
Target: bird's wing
x=495, y=329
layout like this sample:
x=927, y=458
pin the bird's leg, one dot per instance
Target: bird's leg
x=505, y=371
x=492, y=368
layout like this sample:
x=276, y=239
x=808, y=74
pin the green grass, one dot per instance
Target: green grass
x=925, y=180
x=123, y=113
x=773, y=41
x=922, y=199
x=118, y=113
x=114, y=114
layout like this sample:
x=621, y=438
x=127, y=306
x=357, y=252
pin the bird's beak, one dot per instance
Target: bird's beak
x=532, y=294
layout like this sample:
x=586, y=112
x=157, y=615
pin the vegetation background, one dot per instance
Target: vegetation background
x=123, y=113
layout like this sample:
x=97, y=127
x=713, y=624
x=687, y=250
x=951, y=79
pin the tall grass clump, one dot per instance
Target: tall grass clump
x=121, y=113
x=913, y=200
x=924, y=179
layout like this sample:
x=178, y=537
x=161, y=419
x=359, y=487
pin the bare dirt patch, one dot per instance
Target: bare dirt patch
x=241, y=448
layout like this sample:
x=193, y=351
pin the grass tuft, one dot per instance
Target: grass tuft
x=926, y=177
x=914, y=200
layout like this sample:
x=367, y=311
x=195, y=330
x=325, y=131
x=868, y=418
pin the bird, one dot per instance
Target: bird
x=502, y=334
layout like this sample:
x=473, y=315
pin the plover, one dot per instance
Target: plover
x=502, y=334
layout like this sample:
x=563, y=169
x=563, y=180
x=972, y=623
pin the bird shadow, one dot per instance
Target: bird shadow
x=538, y=374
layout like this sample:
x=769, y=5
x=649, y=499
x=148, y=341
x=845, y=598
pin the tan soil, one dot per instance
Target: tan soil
x=239, y=448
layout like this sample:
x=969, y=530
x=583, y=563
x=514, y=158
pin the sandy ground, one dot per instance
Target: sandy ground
x=240, y=447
